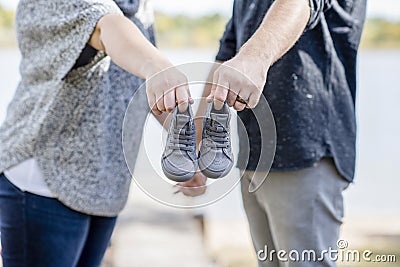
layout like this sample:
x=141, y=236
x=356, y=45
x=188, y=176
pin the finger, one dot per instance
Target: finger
x=156, y=111
x=169, y=100
x=182, y=97
x=151, y=100
x=153, y=104
x=241, y=100
x=182, y=184
x=214, y=84
x=187, y=185
x=231, y=98
x=177, y=192
x=210, y=97
x=191, y=101
x=244, y=96
x=201, y=179
x=239, y=106
x=160, y=103
x=221, y=92
x=253, y=100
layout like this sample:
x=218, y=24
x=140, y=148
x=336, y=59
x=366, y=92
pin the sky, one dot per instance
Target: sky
x=389, y=9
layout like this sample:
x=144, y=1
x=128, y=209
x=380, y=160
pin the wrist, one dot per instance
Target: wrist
x=256, y=55
x=154, y=65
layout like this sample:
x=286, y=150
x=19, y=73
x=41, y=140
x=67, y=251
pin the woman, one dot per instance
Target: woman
x=63, y=176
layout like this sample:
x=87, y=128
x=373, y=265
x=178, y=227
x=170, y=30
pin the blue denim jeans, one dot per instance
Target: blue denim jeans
x=41, y=231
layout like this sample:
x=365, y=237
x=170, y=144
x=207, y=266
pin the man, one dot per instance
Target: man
x=301, y=55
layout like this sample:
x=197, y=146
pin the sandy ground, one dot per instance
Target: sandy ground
x=231, y=246
x=151, y=234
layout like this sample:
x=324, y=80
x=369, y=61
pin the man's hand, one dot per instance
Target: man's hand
x=243, y=76
x=281, y=27
x=194, y=187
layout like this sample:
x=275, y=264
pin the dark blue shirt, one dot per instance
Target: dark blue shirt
x=311, y=90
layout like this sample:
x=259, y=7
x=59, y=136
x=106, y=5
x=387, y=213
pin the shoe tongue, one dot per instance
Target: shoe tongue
x=181, y=120
x=220, y=118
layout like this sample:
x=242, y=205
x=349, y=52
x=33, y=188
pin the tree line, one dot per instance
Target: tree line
x=204, y=32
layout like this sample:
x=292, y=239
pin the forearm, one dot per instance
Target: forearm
x=246, y=73
x=127, y=47
x=281, y=28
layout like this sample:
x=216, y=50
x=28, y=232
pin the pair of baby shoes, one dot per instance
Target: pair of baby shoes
x=179, y=160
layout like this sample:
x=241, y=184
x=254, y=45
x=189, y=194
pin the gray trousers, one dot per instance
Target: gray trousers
x=296, y=211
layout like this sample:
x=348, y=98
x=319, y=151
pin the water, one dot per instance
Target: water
x=375, y=192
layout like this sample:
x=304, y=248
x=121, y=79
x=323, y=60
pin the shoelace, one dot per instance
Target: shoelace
x=183, y=139
x=217, y=133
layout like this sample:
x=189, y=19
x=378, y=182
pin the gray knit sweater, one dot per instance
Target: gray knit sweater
x=71, y=121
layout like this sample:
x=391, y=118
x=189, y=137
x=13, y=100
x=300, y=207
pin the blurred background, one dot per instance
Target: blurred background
x=152, y=234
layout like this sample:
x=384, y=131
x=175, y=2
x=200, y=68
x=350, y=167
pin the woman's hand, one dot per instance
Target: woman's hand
x=166, y=88
x=128, y=48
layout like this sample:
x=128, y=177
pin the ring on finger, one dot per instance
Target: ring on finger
x=241, y=100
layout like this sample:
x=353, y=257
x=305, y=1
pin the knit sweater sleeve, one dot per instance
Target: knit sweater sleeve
x=52, y=34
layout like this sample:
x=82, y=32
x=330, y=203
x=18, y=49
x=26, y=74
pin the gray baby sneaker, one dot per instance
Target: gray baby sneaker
x=215, y=156
x=179, y=161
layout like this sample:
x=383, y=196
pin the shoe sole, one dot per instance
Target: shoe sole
x=215, y=175
x=177, y=178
